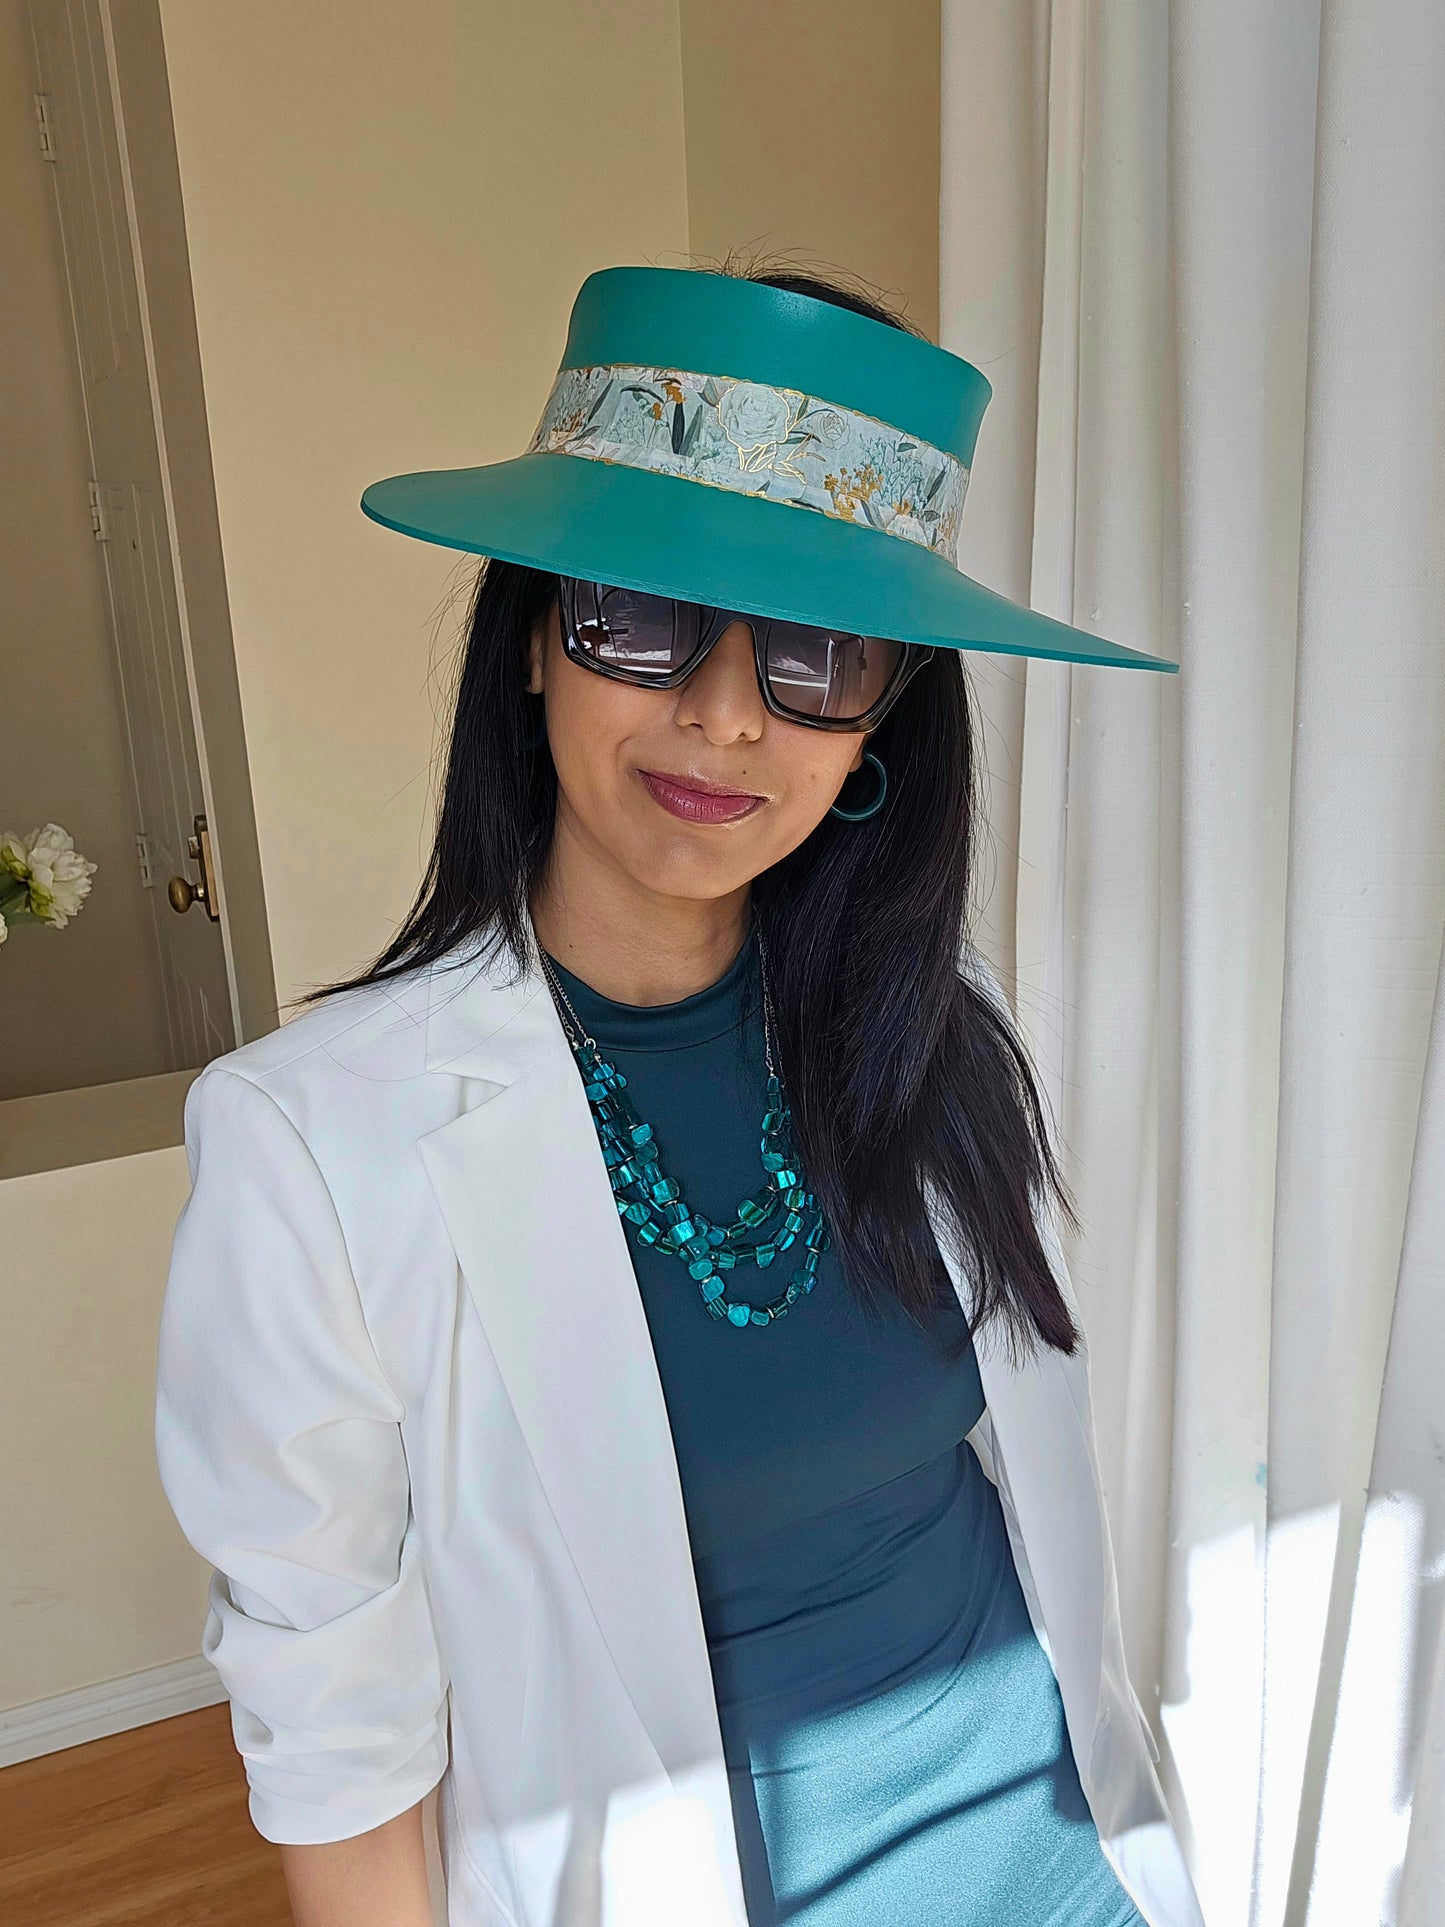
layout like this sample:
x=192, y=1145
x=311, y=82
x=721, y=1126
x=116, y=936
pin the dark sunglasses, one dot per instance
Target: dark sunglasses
x=825, y=678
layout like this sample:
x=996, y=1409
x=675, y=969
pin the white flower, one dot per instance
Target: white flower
x=56, y=877
x=753, y=414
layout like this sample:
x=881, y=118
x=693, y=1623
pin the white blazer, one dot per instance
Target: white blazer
x=408, y=1410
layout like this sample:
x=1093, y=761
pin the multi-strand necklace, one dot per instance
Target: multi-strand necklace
x=780, y=1214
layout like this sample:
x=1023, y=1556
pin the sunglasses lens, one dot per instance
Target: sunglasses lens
x=824, y=673
x=644, y=635
x=817, y=675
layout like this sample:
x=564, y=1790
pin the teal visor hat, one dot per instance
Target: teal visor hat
x=729, y=443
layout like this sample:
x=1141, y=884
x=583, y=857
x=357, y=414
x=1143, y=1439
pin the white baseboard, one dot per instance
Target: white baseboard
x=112, y=1706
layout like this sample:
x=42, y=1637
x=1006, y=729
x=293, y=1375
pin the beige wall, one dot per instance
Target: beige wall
x=97, y=1579
x=386, y=226
x=90, y=993
x=813, y=130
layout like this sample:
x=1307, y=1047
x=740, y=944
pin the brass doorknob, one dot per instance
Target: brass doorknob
x=183, y=893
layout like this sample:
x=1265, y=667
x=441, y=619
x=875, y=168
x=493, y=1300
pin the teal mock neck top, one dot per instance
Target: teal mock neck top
x=893, y=1729
x=752, y=1452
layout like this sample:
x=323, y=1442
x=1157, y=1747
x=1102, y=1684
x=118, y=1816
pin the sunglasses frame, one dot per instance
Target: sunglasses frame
x=716, y=623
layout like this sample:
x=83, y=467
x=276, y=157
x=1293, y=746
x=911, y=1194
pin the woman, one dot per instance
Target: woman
x=616, y=1356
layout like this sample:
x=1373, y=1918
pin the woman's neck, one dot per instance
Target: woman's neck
x=626, y=941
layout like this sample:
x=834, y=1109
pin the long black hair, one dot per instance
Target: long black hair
x=900, y=1071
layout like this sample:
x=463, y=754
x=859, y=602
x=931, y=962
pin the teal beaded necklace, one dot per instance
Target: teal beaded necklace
x=782, y=1213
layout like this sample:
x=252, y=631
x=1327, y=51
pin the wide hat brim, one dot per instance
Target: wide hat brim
x=602, y=521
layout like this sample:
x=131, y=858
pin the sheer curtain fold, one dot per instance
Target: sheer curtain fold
x=1199, y=249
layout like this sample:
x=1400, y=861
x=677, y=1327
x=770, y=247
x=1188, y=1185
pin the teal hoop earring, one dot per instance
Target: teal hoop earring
x=862, y=816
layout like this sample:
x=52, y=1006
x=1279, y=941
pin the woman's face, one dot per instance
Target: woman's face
x=692, y=791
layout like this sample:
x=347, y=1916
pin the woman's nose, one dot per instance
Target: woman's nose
x=721, y=695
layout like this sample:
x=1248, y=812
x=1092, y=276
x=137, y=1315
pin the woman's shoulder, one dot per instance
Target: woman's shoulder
x=336, y=1102
x=376, y=1023
x=339, y=1063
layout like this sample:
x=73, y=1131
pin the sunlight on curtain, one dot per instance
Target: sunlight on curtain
x=1199, y=249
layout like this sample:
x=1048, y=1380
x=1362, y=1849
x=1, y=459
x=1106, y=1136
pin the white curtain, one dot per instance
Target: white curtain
x=1199, y=250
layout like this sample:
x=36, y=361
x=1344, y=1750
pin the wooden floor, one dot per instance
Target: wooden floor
x=148, y=1828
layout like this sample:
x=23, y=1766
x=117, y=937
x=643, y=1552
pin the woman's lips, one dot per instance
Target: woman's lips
x=696, y=805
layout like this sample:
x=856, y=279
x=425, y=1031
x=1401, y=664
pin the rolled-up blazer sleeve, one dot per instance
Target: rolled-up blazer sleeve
x=280, y=1449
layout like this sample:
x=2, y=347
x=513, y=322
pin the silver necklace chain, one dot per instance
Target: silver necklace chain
x=578, y=1035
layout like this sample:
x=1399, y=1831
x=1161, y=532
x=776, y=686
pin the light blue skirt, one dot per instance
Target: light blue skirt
x=894, y=1732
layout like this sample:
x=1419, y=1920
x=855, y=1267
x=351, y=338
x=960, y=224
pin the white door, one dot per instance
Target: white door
x=129, y=506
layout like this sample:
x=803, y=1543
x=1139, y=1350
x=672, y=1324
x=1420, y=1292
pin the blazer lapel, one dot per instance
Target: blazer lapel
x=523, y=1188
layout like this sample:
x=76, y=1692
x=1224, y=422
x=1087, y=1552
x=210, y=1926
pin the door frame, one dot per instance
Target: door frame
x=53, y=1130
x=145, y=130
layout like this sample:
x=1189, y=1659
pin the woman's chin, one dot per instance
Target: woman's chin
x=681, y=865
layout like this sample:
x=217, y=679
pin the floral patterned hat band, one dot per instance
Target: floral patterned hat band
x=687, y=409
x=757, y=439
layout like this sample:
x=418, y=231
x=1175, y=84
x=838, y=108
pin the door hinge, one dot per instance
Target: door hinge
x=46, y=127
x=99, y=520
x=143, y=857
